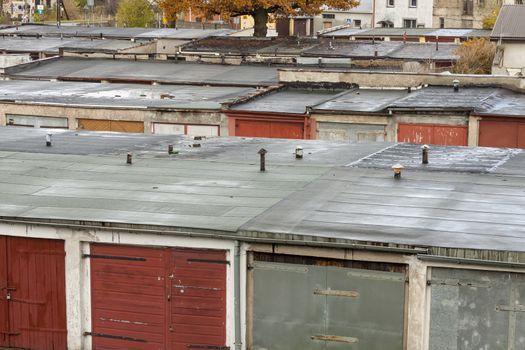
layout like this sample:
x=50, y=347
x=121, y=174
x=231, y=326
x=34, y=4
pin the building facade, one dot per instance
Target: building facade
x=403, y=13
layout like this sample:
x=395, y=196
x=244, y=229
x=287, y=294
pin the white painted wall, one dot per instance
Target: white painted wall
x=401, y=10
x=513, y=56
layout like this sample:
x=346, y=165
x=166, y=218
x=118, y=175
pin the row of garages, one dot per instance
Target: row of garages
x=473, y=131
x=430, y=115
x=186, y=294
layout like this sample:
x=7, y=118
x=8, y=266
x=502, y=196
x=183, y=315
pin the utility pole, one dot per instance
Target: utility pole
x=58, y=13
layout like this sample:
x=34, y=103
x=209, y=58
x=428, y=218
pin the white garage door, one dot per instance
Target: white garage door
x=185, y=129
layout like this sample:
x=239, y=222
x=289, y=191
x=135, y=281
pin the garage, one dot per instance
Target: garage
x=32, y=294
x=110, y=125
x=473, y=309
x=351, y=132
x=501, y=132
x=36, y=121
x=157, y=298
x=433, y=134
x=327, y=304
x=185, y=129
x=269, y=128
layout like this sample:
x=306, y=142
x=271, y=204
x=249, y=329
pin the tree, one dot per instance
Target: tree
x=490, y=20
x=134, y=13
x=475, y=57
x=258, y=9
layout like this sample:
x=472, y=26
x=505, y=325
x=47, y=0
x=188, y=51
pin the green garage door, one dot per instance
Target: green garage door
x=473, y=310
x=299, y=306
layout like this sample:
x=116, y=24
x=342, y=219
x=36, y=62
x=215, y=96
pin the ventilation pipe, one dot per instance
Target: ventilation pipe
x=455, y=83
x=397, y=168
x=298, y=152
x=424, y=154
x=262, y=152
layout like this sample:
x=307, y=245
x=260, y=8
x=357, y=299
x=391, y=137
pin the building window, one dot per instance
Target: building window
x=328, y=16
x=468, y=7
x=441, y=22
x=390, y=3
x=357, y=23
x=412, y=3
x=409, y=23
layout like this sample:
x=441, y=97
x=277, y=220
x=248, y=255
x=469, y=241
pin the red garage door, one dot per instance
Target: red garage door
x=502, y=133
x=273, y=129
x=32, y=294
x=433, y=134
x=149, y=298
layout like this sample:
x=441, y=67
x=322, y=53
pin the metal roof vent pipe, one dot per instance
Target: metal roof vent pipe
x=262, y=153
x=455, y=83
x=424, y=154
x=298, y=152
x=409, y=89
x=48, y=140
x=397, y=171
x=129, y=158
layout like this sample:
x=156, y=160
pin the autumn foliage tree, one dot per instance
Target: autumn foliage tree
x=134, y=13
x=490, y=20
x=475, y=57
x=258, y=9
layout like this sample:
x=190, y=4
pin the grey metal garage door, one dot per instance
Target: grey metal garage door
x=473, y=309
x=299, y=306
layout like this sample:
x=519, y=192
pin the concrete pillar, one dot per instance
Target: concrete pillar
x=473, y=131
x=417, y=306
x=73, y=293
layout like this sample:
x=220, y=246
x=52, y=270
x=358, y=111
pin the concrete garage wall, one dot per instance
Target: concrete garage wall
x=147, y=116
x=347, y=127
x=384, y=79
x=431, y=118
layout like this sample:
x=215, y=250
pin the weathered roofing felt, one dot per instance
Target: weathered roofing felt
x=52, y=45
x=339, y=192
x=411, y=32
x=161, y=71
x=384, y=49
x=120, y=95
x=294, y=101
x=112, y=32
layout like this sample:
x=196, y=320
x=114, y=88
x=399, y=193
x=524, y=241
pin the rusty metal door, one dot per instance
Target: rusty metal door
x=128, y=297
x=299, y=306
x=4, y=307
x=433, y=134
x=33, y=302
x=501, y=133
x=271, y=129
x=473, y=310
x=197, y=308
x=157, y=298
x=110, y=125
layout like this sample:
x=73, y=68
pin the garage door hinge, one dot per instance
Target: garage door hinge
x=111, y=336
x=112, y=257
x=193, y=346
